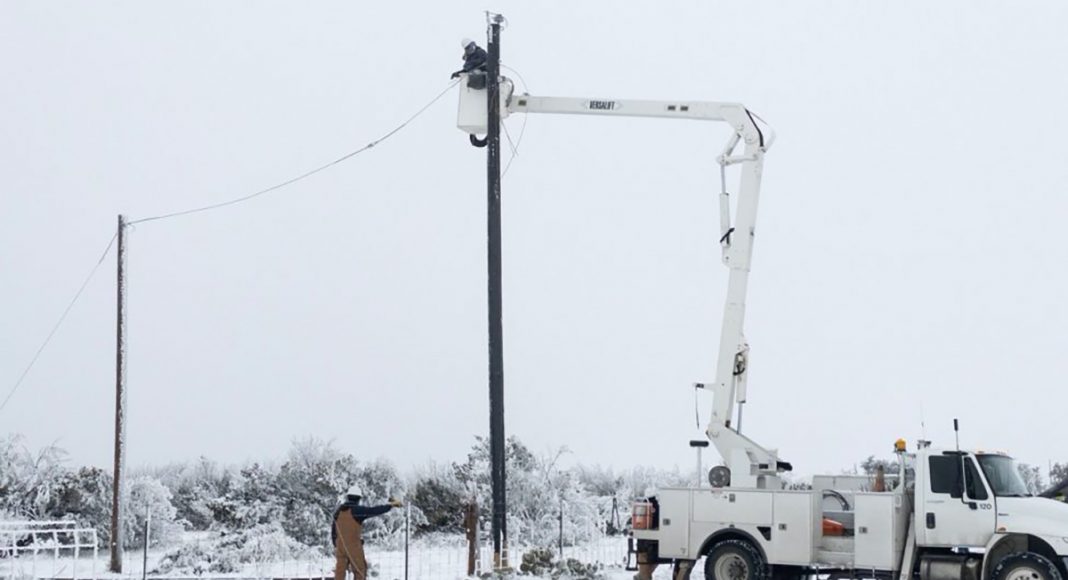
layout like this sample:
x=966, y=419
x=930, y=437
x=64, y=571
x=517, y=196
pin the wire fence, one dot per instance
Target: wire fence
x=64, y=550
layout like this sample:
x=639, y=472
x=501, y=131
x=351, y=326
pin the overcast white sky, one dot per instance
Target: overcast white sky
x=909, y=263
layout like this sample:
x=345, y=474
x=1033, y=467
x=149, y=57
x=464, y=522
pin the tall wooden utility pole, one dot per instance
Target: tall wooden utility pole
x=118, y=484
x=496, y=330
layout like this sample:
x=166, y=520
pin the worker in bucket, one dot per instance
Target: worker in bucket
x=474, y=58
x=347, y=533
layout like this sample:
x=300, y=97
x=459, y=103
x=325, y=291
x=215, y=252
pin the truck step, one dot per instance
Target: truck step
x=838, y=544
x=831, y=558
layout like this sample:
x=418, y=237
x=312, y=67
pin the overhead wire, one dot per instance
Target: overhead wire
x=111, y=242
x=304, y=175
x=59, y=323
x=522, y=128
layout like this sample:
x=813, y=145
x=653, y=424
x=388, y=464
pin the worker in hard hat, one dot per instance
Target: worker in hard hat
x=474, y=58
x=347, y=533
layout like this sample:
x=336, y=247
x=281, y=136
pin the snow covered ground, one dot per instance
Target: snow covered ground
x=425, y=561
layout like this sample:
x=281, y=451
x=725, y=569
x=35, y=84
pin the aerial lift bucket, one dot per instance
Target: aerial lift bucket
x=472, y=117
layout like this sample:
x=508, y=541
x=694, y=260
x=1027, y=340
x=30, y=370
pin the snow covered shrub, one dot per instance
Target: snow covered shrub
x=541, y=563
x=474, y=474
x=28, y=480
x=440, y=497
x=147, y=495
x=313, y=480
x=537, y=562
x=84, y=496
x=538, y=488
x=250, y=497
x=228, y=552
x=193, y=487
x=380, y=481
x=265, y=543
x=310, y=485
x=547, y=493
x=198, y=558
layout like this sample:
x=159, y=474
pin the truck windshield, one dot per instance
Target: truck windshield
x=1003, y=476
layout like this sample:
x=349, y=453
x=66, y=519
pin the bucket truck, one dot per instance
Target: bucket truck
x=945, y=514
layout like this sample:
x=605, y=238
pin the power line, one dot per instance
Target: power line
x=59, y=323
x=303, y=175
x=522, y=129
x=277, y=186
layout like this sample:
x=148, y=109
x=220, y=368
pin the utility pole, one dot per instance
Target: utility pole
x=496, y=330
x=118, y=483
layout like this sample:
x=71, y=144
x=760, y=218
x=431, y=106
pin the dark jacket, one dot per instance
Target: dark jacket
x=358, y=511
x=475, y=60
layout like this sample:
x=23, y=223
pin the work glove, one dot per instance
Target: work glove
x=395, y=502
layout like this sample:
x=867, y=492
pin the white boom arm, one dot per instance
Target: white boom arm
x=751, y=465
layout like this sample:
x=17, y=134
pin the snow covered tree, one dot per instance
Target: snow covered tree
x=474, y=474
x=249, y=497
x=84, y=496
x=538, y=490
x=147, y=495
x=440, y=496
x=194, y=486
x=1032, y=476
x=1058, y=473
x=27, y=479
x=310, y=484
x=380, y=481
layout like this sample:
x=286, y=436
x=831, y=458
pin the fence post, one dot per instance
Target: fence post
x=407, y=528
x=148, y=534
x=561, y=529
x=471, y=527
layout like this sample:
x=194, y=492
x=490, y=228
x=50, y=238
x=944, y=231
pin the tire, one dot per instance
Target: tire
x=738, y=560
x=1026, y=566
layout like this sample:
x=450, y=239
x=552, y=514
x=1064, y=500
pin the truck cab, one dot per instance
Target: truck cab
x=977, y=505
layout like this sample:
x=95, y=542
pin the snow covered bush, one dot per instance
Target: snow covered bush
x=149, y=500
x=229, y=552
x=380, y=481
x=542, y=564
x=538, y=488
x=193, y=487
x=309, y=487
x=28, y=480
x=249, y=497
x=85, y=497
x=440, y=496
x=197, y=558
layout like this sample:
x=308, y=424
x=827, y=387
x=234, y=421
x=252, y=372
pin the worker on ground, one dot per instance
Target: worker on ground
x=474, y=58
x=347, y=533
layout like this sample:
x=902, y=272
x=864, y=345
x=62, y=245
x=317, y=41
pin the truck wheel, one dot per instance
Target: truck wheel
x=739, y=560
x=1026, y=566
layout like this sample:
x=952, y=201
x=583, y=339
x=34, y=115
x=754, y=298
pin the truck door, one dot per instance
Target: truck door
x=952, y=512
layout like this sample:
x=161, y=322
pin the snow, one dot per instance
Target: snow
x=445, y=558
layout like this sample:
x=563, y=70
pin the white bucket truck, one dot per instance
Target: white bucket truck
x=945, y=515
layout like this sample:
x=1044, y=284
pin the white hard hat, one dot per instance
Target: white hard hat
x=465, y=42
x=355, y=490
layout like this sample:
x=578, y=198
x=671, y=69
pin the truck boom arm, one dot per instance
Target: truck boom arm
x=751, y=465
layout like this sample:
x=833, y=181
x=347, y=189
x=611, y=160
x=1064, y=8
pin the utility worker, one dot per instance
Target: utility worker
x=474, y=58
x=347, y=533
